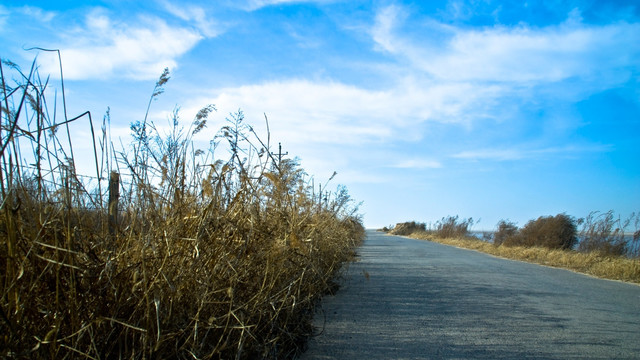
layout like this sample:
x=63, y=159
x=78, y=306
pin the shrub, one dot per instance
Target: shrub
x=451, y=227
x=553, y=232
x=408, y=228
x=507, y=231
x=605, y=233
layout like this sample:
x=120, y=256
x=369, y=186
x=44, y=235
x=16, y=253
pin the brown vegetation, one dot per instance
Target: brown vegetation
x=603, y=264
x=407, y=228
x=446, y=227
x=552, y=232
x=205, y=257
x=593, y=263
x=605, y=233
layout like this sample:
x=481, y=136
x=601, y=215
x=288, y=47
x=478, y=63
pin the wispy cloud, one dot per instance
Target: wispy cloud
x=418, y=164
x=104, y=48
x=332, y=112
x=306, y=111
x=205, y=23
x=492, y=154
x=4, y=15
x=528, y=55
x=34, y=13
x=459, y=85
x=508, y=154
x=520, y=54
x=466, y=75
x=251, y=5
x=37, y=13
x=382, y=31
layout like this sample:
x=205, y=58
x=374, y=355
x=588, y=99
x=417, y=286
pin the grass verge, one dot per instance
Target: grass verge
x=592, y=263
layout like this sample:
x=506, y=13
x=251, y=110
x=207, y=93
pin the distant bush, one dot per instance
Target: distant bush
x=604, y=233
x=506, y=232
x=408, y=228
x=553, y=232
x=451, y=226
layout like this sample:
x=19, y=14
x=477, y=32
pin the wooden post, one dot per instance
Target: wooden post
x=280, y=154
x=114, y=194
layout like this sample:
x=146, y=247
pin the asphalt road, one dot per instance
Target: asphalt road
x=412, y=299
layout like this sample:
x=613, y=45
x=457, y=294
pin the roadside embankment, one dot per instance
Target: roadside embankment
x=591, y=263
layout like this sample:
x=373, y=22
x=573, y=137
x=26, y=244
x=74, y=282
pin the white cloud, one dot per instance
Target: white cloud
x=251, y=5
x=32, y=13
x=104, y=48
x=507, y=154
x=491, y=154
x=512, y=54
x=203, y=22
x=477, y=74
x=418, y=164
x=307, y=111
x=336, y=113
x=330, y=124
x=459, y=10
x=37, y=13
x=529, y=55
x=4, y=15
x=385, y=22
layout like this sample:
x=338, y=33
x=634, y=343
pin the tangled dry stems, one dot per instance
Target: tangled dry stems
x=210, y=258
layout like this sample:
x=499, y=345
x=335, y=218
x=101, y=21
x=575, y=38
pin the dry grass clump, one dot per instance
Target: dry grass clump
x=205, y=257
x=553, y=232
x=452, y=226
x=447, y=227
x=605, y=233
x=407, y=228
x=507, y=232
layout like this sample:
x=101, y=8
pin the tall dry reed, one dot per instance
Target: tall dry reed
x=214, y=253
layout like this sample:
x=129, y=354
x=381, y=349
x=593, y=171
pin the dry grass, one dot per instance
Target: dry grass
x=211, y=256
x=592, y=263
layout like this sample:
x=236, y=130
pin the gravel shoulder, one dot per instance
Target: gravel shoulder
x=414, y=299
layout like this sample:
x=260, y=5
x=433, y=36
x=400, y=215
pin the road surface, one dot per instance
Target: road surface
x=413, y=299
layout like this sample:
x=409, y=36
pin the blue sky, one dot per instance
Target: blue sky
x=485, y=109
